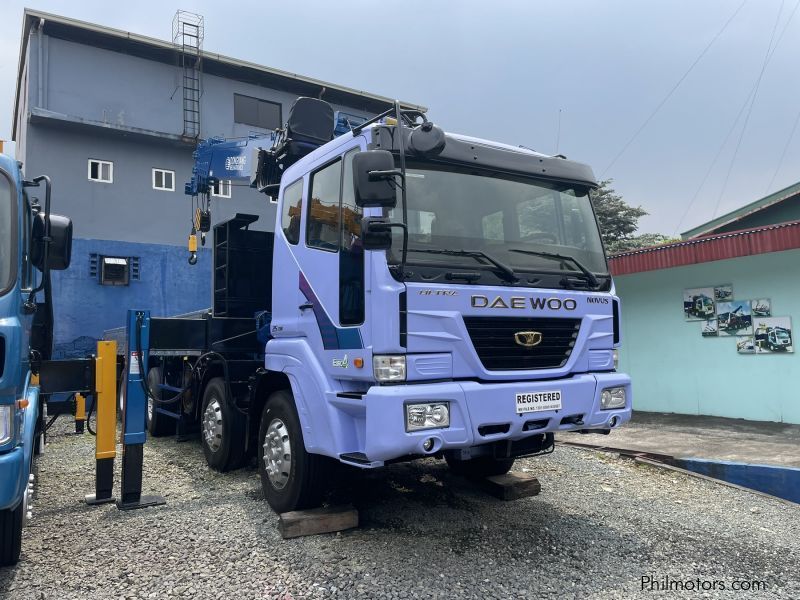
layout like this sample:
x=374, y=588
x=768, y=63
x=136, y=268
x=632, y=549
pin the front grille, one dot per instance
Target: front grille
x=494, y=341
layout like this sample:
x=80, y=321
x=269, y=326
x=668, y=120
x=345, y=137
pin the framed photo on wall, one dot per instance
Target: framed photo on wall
x=745, y=344
x=761, y=307
x=773, y=335
x=709, y=328
x=698, y=304
x=723, y=293
x=734, y=318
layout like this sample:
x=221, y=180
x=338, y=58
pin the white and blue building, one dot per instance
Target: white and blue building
x=113, y=117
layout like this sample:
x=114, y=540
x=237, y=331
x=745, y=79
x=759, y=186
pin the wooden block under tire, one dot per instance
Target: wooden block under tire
x=298, y=523
x=512, y=485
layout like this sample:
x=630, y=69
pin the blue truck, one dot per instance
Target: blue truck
x=32, y=242
x=424, y=294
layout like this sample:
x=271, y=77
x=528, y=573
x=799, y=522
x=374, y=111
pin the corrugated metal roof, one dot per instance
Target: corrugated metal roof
x=760, y=240
x=740, y=213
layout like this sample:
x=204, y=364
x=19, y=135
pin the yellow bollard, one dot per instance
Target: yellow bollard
x=80, y=413
x=106, y=398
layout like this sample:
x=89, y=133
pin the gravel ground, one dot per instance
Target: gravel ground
x=600, y=524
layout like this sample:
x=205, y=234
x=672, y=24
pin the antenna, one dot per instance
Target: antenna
x=558, y=131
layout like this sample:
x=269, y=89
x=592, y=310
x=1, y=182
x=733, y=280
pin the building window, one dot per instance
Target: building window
x=259, y=113
x=101, y=170
x=114, y=270
x=222, y=188
x=164, y=180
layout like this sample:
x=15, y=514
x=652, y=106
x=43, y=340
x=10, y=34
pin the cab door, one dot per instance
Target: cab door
x=331, y=261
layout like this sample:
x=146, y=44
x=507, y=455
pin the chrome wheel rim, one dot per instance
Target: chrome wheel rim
x=150, y=409
x=212, y=425
x=277, y=454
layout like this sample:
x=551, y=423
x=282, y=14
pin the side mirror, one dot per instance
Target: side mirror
x=373, y=179
x=60, y=251
x=375, y=234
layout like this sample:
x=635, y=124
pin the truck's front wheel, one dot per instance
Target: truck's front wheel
x=291, y=477
x=481, y=466
x=11, y=534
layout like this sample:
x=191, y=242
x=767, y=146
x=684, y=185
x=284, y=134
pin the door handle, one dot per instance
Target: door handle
x=306, y=306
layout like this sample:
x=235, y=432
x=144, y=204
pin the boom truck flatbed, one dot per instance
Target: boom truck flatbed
x=424, y=294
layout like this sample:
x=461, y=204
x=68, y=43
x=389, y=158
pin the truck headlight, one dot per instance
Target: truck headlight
x=6, y=423
x=612, y=398
x=389, y=367
x=430, y=415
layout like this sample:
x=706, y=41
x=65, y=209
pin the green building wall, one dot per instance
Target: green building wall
x=676, y=370
x=788, y=210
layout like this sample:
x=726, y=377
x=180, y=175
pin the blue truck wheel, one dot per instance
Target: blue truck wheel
x=291, y=477
x=11, y=534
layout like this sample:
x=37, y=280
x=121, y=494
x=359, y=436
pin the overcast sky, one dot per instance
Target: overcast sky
x=503, y=70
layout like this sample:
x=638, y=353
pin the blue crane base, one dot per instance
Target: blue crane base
x=132, y=497
x=133, y=415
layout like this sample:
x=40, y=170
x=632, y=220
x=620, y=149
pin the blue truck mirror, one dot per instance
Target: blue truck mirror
x=374, y=179
x=59, y=253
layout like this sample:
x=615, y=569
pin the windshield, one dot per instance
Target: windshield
x=782, y=335
x=510, y=220
x=6, y=238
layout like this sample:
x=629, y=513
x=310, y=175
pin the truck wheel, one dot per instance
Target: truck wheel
x=222, y=427
x=11, y=534
x=158, y=425
x=291, y=477
x=481, y=466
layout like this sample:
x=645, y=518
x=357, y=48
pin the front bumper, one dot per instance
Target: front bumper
x=481, y=413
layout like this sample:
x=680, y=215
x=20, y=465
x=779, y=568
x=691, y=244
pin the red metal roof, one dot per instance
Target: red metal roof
x=747, y=242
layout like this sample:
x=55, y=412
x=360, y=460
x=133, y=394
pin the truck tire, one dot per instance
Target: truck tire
x=158, y=425
x=291, y=477
x=11, y=535
x=481, y=466
x=222, y=428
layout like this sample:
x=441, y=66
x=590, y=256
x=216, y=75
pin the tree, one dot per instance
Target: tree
x=619, y=221
x=636, y=242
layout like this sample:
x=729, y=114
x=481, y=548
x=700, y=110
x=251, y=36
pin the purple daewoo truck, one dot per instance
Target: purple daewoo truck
x=424, y=294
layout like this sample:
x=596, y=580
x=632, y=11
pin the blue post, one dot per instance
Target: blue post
x=133, y=416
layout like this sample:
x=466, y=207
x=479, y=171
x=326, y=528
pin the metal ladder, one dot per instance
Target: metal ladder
x=187, y=35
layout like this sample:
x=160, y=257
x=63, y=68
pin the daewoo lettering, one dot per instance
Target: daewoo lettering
x=521, y=302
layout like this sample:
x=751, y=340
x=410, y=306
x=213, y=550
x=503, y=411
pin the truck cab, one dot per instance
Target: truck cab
x=779, y=338
x=25, y=338
x=19, y=398
x=703, y=306
x=458, y=305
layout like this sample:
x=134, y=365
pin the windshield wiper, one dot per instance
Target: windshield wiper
x=507, y=272
x=587, y=274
